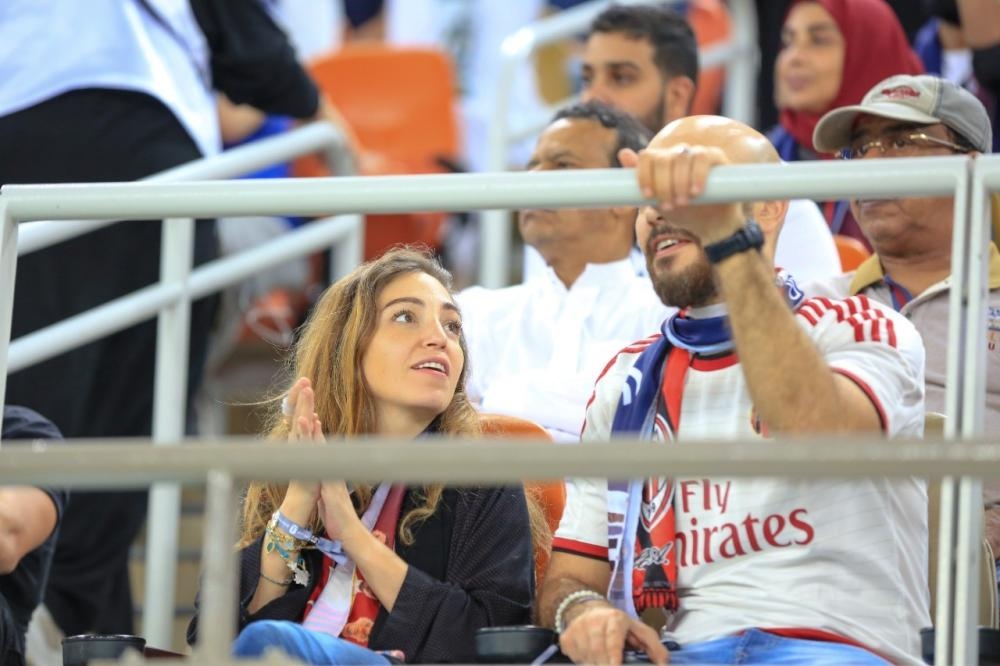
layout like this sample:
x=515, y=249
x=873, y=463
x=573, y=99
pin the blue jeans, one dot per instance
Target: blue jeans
x=754, y=646
x=293, y=639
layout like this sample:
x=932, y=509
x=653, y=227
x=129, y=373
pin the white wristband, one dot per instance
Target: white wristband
x=573, y=598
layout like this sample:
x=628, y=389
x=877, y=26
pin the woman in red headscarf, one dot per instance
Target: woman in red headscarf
x=833, y=52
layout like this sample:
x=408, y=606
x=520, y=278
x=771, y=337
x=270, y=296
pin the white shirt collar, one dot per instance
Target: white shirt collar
x=611, y=274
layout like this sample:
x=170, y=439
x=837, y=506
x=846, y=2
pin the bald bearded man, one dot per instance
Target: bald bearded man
x=760, y=570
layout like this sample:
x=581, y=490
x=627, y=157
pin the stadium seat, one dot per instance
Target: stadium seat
x=712, y=26
x=934, y=428
x=852, y=252
x=400, y=102
x=551, y=494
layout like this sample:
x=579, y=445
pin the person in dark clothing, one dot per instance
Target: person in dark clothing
x=408, y=570
x=76, y=106
x=29, y=523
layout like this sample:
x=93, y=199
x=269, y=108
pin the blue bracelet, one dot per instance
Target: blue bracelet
x=272, y=544
x=328, y=547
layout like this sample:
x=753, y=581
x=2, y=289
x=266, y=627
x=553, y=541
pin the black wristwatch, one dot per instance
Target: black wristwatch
x=748, y=237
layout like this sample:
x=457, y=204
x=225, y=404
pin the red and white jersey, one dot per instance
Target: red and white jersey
x=845, y=557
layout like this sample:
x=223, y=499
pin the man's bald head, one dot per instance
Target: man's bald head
x=684, y=278
x=741, y=143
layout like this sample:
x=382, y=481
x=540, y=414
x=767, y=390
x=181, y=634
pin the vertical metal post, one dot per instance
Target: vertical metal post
x=8, y=271
x=349, y=250
x=969, y=536
x=494, y=225
x=217, y=620
x=741, y=68
x=947, y=530
x=956, y=631
x=169, y=402
x=970, y=509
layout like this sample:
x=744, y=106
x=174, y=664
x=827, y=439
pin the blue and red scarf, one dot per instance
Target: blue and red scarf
x=645, y=572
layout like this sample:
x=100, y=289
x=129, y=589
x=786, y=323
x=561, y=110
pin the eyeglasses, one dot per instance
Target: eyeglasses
x=901, y=144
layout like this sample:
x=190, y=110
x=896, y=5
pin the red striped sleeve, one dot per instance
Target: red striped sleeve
x=873, y=326
x=868, y=322
x=573, y=547
x=807, y=313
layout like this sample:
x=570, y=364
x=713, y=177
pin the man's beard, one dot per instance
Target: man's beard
x=692, y=287
x=654, y=120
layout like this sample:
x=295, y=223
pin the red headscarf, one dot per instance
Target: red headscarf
x=875, y=48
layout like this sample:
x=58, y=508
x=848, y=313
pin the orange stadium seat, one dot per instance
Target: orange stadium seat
x=712, y=25
x=551, y=494
x=852, y=252
x=400, y=102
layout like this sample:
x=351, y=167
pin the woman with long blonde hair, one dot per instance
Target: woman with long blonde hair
x=332, y=574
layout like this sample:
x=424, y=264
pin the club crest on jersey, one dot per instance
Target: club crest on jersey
x=657, y=498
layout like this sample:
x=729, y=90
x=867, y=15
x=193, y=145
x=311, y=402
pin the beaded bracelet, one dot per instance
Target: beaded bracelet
x=571, y=599
x=328, y=547
x=290, y=541
x=285, y=541
x=272, y=544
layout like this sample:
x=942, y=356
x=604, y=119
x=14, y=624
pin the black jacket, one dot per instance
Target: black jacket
x=471, y=566
x=251, y=59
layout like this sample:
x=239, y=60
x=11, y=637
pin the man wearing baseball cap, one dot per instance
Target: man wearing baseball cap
x=911, y=116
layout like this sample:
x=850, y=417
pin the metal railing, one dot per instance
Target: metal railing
x=224, y=466
x=739, y=56
x=968, y=180
x=169, y=301
x=233, y=163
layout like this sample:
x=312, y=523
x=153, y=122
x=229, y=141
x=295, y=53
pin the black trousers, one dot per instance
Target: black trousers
x=103, y=389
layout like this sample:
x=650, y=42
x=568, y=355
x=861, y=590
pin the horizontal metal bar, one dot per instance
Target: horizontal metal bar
x=318, y=136
x=145, y=303
x=716, y=55
x=91, y=325
x=385, y=194
x=989, y=166
x=260, y=154
x=313, y=237
x=560, y=25
x=135, y=463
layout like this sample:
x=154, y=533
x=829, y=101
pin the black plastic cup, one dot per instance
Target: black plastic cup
x=989, y=646
x=79, y=650
x=519, y=644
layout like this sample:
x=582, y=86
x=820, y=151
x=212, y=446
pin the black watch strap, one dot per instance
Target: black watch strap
x=750, y=236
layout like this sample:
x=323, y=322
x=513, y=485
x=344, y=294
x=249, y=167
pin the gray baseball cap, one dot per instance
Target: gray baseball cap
x=920, y=99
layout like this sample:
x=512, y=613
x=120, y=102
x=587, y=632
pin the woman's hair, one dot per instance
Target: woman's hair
x=329, y=352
